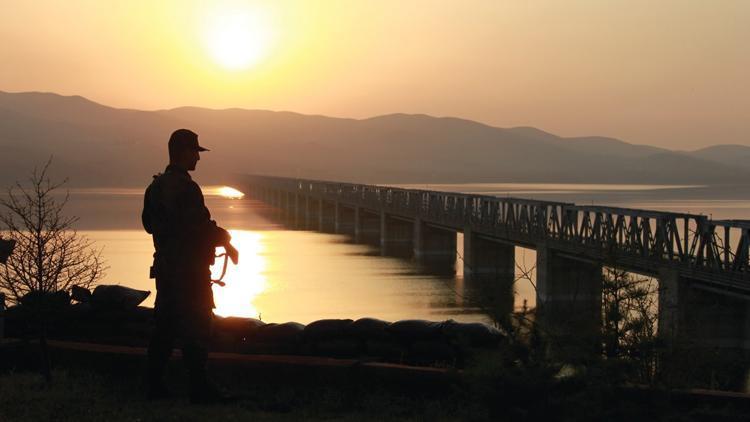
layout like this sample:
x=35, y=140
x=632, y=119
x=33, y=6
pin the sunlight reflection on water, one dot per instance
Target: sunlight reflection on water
x=303, y=276
x=245, y=281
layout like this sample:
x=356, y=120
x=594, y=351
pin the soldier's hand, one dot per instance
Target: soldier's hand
x=233, y=253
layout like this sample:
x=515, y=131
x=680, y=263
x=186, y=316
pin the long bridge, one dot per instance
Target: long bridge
x=702, y=265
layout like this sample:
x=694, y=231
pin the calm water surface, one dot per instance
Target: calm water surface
x=302, y=276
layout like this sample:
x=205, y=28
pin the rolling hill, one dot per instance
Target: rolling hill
x=96, y=145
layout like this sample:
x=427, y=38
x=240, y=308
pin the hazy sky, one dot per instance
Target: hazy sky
x=672, y=73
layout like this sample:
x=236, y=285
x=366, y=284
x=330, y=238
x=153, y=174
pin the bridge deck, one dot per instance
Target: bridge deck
x=715, y=252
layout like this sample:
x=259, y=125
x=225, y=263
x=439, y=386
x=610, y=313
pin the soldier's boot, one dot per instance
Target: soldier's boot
x=202, y=391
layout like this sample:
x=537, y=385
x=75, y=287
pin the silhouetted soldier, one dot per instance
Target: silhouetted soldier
x=185, y=239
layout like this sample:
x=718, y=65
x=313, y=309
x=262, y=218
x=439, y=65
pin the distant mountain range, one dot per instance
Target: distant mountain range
x=96, y=145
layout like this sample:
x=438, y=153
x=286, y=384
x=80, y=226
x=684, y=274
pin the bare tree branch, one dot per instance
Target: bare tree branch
x=50, y=255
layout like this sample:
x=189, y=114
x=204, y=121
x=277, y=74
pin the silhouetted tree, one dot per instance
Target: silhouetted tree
x=629, y=315
x=50, y=257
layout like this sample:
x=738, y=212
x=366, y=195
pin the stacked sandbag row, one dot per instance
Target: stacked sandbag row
x=408, y=341
x=110, y=314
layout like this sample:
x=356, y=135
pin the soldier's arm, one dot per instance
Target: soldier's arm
x=195, y=219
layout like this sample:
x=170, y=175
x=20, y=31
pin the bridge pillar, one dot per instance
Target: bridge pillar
x=396, y=236
x=319, y=215
x=367, y=227
x=298, y=216
x=569, y=302
x=706, y=332
x=313, y=220
x=435, y=248
x=492, y=266
x=336, y=217
x=307, y=214
x=487, y=257
x=289, y=209
x=327, y=214
x=345, y=219
x=672, y=301
x=688, y=313
x=310, y=216
x=283, y=206
x=278, y=204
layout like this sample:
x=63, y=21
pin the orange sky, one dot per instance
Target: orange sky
x=672, y=73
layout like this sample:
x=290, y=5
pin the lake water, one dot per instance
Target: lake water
x=286, y=275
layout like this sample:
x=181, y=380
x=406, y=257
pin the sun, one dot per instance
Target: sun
x=238, y=39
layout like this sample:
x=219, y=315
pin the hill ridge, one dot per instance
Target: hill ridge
x=123, y=147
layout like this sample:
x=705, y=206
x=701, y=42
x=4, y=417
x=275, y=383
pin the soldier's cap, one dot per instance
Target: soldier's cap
x=182, y=139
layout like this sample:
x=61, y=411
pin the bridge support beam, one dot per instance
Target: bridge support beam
x=707, y=332
x=491, y=266
x=569, y=302
x=367, y=227
x=435, y=248
x=396, y=236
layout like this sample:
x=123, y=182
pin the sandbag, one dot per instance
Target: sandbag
x=266, y=348
x=138, y=330
x=474, y=334
x=141, y=314
x=80, y=294
x=288, y=332
x=337, y=348
x=431, y=352
x=327, y=329
x=236, y=327
x=47, y=301
x=117, y=297
x=385, y=350
x=48, y=307
x=119, y=315
x=409, y=330
x=370, y=329
x=79, y=312
x=16, y=321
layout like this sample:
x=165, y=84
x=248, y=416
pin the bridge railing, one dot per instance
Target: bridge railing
x=652, y=238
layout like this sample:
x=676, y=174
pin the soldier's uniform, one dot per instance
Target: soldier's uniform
x=185, y=237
